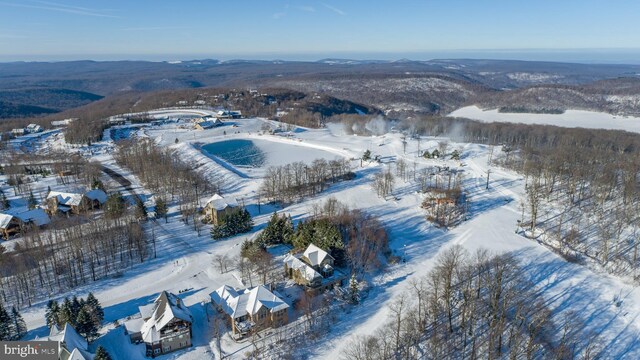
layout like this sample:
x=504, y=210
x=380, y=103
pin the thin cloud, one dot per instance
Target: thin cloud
x=45, y=5
x=279, y=15
x=306, y=8
x=145, y=28
x=334, y=9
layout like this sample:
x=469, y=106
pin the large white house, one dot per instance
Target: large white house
x=253, y=308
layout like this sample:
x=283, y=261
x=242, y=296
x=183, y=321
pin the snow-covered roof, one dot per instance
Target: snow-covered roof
x=38, y=216
x=72, y=341
x=315, y=255
x=69, y=199
x=167, y=307
x=133, y=325
x=237, y=303
x=97, y=194
x=5, y=219
x=147, y=310
x=219, y=203
x=207, y=124
x=307, y=271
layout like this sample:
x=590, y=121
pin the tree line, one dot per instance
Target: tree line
x=469, y=307
x=166, y=174
x=589, y=177
x=295, y=181
x=67, y=255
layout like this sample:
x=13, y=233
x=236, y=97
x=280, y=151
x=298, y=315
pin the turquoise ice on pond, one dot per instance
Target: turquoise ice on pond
x=237, y=152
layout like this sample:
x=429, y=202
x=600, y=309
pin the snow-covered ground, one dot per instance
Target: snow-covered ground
x=570, y=118
x=186, y=261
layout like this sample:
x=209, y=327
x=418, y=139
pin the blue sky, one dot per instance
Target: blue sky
x=164, y=29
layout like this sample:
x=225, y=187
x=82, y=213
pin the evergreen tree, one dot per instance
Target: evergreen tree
x=66, y=315
x=140, y=209
x=32, y=201
x=5, y=324
x=114, y=207
x=435, y=154
x=455, y=155
x=85, y=325
x=235, y=222
x=161, y=209
x=367, y=155
x=102, y=354
x=19, y=326
x=76, y=305
x=354, y=290
x=279, y=230
x=97, y=184
x=4, y=201
x=320, y=232
x=95, y=309
x=51, y=316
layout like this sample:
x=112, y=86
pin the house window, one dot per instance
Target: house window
x=156, y=351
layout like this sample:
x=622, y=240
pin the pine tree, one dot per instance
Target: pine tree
x=161, y=209
x=66, y=314
x=140, y=210
x=85, y=325
x=5, y=324
x=95, y=309
x=51, y=316
x=19, y=326
x=4, y=201
x=354, y=290
x=97, y=184
x=232, y=223
x=76, y=305
x=114, y=207
x=32, y=201
x=102, y=354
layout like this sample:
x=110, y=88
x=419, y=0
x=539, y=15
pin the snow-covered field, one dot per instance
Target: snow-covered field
x=186, y=261
x=570, y=118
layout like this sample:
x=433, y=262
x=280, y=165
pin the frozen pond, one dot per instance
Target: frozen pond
x=257, y=153
x=238, y=152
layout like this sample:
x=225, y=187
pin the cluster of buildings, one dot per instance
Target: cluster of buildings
x=30, y=129
x=211, y=121
x=56, y=203
x=166, y=324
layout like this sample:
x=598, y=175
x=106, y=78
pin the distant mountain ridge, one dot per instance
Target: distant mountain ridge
x=404, y=85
